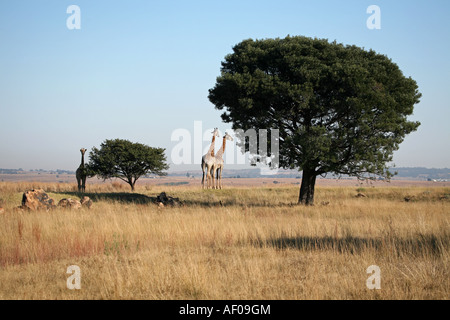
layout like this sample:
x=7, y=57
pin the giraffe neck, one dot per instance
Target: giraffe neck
x=222, y=149
x=82, y=160
x=211, y=147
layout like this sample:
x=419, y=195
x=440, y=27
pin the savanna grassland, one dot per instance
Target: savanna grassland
x=235, y=243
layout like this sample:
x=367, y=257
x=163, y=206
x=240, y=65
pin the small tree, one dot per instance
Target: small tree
x=126, y=161
x=339, y=109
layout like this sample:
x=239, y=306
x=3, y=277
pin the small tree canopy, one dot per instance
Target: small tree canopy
x=339, y=109
x=126, y=160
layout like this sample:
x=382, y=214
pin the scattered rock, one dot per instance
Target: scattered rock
x=2, y=210
x=165, y=200
x=86, y=202
x=325, y=203
x=160, y=205
x=361, y=195
x=69, y=204
x=37, y=200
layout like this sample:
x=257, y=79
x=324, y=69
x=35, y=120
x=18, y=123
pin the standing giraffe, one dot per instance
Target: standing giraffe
x=208, y=162
x=81, y=173
x=218, y=163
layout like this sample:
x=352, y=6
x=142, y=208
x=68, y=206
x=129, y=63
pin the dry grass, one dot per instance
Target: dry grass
x=235, y=243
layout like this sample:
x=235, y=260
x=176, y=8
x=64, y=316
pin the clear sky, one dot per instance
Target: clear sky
x=139, y=70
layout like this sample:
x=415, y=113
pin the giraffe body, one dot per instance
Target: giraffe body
x=208, y=161
x=219, y=163
x=81, y=173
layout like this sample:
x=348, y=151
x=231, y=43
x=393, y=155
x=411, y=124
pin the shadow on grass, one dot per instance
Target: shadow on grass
x=137, y=198
x=115, y=197
x=235, y=203
x=422, y=245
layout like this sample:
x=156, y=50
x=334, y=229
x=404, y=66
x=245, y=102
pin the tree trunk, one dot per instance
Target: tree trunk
x=131, y=183
x=306, y=196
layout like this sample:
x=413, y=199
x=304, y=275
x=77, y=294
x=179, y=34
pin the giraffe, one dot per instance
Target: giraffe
x=81, y=173
x=218, y=163
x=208, y=162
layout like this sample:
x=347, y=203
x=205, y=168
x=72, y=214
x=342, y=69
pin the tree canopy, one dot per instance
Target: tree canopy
x=126, y=160
x=338, y=108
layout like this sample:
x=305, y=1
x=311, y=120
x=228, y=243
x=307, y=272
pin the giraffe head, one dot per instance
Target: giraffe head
x=228, y=137
x=215, y=133
x=83, y=150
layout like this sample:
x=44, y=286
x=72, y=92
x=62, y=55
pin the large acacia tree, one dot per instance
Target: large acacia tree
x=126, y=160
x=338, y=108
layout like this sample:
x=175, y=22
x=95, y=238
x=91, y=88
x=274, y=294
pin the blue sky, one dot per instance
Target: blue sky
x=139, y=70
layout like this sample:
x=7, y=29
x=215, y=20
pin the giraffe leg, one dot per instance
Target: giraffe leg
x=211, y=175
x=83, y=184
x=214, y=178
x=217, y=178
x=219, y=173
x=208, y=179
x=203, y=179
x=204, y=167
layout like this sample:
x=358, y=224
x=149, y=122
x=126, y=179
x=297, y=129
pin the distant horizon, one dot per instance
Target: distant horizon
x=199, y=169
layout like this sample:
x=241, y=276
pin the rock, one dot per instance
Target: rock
x=165, y=200
x=69, y=204
x=361, y=195
x=162, y=197
x=37, y=200
x=2, y=211
x=160, y=205
x=86, y=202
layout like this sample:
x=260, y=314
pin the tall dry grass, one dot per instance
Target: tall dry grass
x=239, y=243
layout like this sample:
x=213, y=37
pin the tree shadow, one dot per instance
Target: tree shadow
x=347, y=244
x=422, y=245
x=123, y=197
x=235, y=203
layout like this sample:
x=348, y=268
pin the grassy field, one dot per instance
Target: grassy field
x=235, y=243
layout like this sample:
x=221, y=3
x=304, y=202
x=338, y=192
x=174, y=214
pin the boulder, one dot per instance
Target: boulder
x=37, y=200
x=86, y=202
x=69, y=204
x=165, y=200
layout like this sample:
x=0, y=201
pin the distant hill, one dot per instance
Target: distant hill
x=420, y=173
x=415, y=173
x=21, y=171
